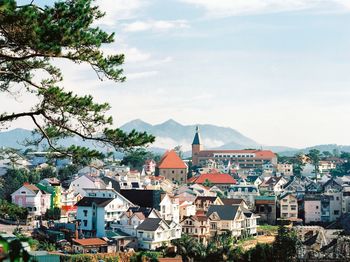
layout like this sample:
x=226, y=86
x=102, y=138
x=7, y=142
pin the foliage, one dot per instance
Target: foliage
x=314, y=156
x=67, y=172
x=343, y=168
x=136, y=158
x=285, y=245
x=12, y=211
x=44, y=245
x=151, y=256
x=14, y=179
x=261, y=253
x=298, y=164
x=207, y=183
x=32, y=40
x=54, y=213
x=47, y=172
x=178, y=150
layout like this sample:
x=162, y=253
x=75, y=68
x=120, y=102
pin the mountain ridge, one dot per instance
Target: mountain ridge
x=171, y=133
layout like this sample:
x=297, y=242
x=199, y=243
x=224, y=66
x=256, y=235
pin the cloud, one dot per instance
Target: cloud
x=119, y=9
x=138, y=75
x=224, y=8
x=155, y=25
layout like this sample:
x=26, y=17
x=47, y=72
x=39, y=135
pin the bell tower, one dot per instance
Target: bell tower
x=196, y=147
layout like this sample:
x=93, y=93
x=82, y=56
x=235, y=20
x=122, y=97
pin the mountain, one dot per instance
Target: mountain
x=171, y=133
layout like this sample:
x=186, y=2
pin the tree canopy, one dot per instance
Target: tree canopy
x=32, y=39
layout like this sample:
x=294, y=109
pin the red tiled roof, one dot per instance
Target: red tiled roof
x=214, y=178
x=171, y=160
x=90, y=242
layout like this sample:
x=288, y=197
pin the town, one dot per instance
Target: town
x=109, y=208
x=94, y=168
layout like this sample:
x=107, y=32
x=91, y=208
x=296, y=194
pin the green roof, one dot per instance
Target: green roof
x=265, y=198
x=116, y=234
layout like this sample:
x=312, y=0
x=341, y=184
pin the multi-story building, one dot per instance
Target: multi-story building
x=197, y=226
x=169, y=208
x=312, y=209
x=172, y=167
x=203, y=203
x=265, y=208
x=98, y=209
x=222, y=181
x=245, y=159
x=37, y=201
x=288, y=206
x=284, y=169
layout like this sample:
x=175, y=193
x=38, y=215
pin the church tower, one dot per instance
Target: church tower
x=196, y=147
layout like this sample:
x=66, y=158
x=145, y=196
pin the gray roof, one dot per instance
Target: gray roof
x=150, y=224
x=223, y=211
x=99, y=201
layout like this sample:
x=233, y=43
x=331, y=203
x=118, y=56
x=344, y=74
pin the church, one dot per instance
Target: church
x=245, y=159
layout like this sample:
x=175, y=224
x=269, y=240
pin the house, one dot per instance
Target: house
x=52, y=186
x=169, y=208
x=121, y=240
x=89, y=245
x=86, y=181
x=253, y=180
x=31, y=197
x=222, y=181
x=332, y=185
x=197, y=226
x=265, y=208
x=152, y=233
x=312, y=208
x=186, y=209
x=273, y=185
x=247, y=192
x=150, y=166
x=94, y=213
x=226, y=218
x=172, y=167
x=203, y=203
x=234, y=202
x=284, y=169
x=288, y=206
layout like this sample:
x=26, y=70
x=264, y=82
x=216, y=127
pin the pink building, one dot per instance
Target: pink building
x=31, y=197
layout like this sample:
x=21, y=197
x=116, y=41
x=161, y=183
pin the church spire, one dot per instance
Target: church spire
x=197, y=138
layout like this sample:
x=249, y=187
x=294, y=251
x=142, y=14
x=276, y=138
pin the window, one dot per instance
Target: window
x=85, y=223
x=336, y=212
x=85, y=213
x=316, y=207
x=172, y=171
x=293, y=207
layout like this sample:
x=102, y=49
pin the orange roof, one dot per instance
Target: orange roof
x=214, y=178
x=171, y=160
x=90, y=242
x=32, y=187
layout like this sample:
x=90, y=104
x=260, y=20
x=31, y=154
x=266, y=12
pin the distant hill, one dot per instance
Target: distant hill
x=171, y=133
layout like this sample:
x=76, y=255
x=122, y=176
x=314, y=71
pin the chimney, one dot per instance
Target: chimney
x=76, y=230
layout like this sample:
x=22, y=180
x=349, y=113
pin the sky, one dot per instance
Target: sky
x=278, y=71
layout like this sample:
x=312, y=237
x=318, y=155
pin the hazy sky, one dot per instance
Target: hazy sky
x=276, y=70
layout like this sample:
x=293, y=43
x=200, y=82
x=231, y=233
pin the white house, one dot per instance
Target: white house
x=86, y=181
x=169, y=208
x=31, y=197
x=154, y=232
x=97, y=212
